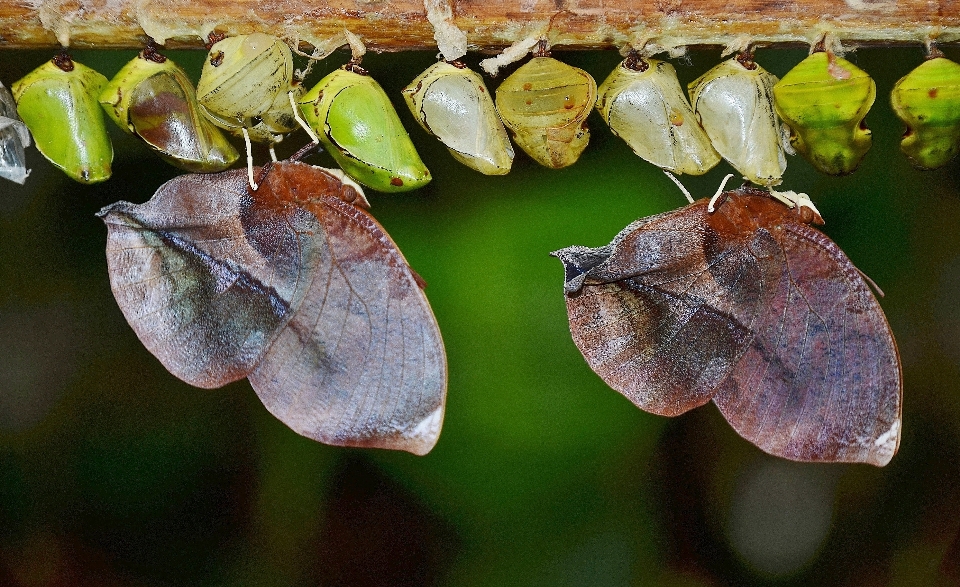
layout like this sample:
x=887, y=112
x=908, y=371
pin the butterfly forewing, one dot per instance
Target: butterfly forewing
x=652, y=319
x=191, y=281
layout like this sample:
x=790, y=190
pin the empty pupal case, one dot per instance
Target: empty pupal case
x=243, y=78
x=14, y=137
x=451, y=102
x=643, y=103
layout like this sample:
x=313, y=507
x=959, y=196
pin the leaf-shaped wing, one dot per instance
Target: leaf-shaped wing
x=821, y=380
x=362, y=362
x=205, y=287
x=654, y=319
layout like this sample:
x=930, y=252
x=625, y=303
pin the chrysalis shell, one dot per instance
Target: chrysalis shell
x=243, y=78
x=823, y=101
x=358, y=125
x=14, y=137
x=735, y=107
x=545, y=104
x=156, y=102
x=453, y=104
x=648, y=109
x=59, y=105
x=927, y=100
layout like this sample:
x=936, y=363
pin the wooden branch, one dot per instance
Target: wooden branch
x=396, y=25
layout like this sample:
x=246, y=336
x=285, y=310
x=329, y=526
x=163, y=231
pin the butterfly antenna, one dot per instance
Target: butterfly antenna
x=679, y=185
x=711, y=207
x=303, y=124
x=873, y=284
x=304, y=151
x=246, y=140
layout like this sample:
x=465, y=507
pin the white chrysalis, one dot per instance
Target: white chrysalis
x=454, y=104
x=644, y=105
x=734, y=102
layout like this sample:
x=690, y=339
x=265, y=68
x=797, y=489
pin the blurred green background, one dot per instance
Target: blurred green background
x=113, y=472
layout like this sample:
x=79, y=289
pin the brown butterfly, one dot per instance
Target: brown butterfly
x=294, y=286
x=748, y=306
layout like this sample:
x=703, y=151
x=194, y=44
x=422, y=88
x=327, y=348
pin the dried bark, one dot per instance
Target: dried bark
x=490, y=25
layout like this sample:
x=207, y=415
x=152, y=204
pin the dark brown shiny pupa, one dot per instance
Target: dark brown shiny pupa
x=748, y=306
x=293, y=286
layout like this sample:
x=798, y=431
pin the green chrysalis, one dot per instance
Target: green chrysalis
x=358, y=125
x=927, y=100
x=14, y=136
x=545, y=104
x=643, y=103
x=823, y=101
x=58, y=103
x=734, y=102
x=452, y=103
x=152, y=98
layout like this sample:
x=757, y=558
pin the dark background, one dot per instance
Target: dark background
x=113, y=472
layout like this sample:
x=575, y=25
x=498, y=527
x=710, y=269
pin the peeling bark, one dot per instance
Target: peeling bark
x=490, y=25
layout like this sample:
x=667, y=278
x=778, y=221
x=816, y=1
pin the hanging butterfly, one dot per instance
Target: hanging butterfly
x=747, y=305
x=293, y=286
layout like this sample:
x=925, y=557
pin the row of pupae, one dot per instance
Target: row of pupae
x=248, y=87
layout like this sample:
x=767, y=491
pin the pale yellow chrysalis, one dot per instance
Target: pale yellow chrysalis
x=643, y=103
x=734, y=102
x=243, y=78
x=545, y=104
x=452, y=103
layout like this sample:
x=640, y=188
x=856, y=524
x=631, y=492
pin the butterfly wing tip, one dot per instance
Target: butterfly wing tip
x=577, y=263
x=418, y=438
x=885, y=446
x=121, y=207
x=422, y=437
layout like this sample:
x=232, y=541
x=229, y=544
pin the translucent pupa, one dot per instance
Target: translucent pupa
x=927, y=100
x=643, y=103
x=358, y=125
x=734, y=102
x=452, y=103
x=152, y=98
x=823, y=101
x=545, y=104
x=14, y=137
x=58, y=101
